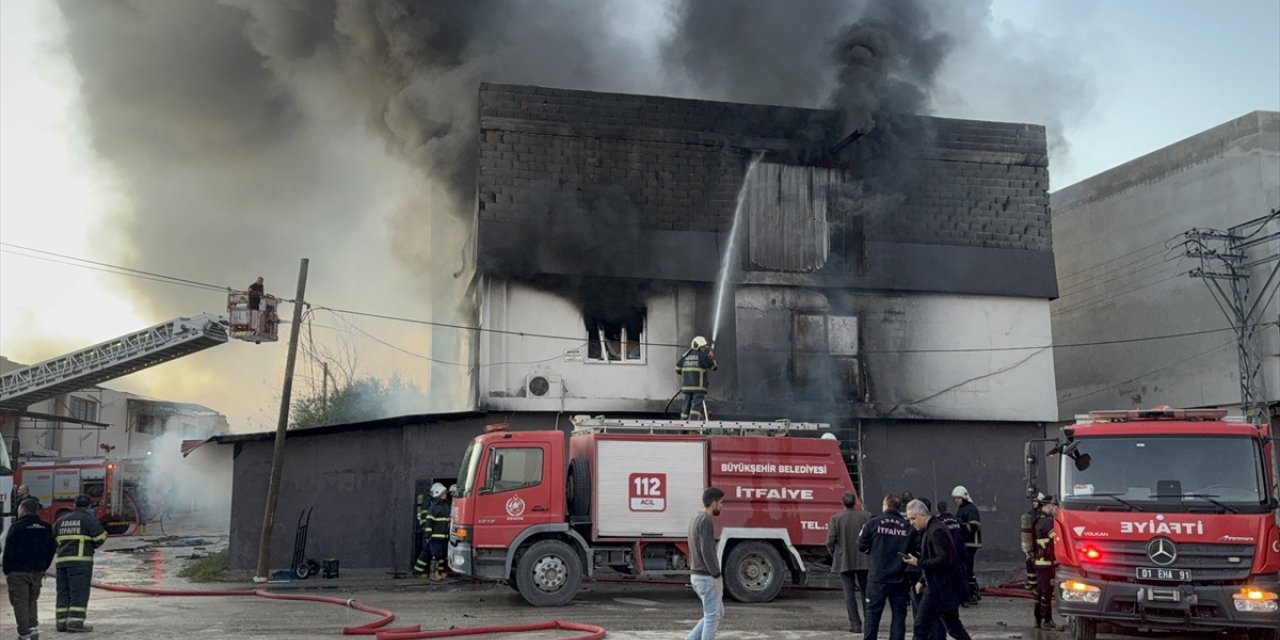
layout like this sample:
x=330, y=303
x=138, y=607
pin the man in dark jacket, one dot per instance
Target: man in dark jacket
x=943, y=588
x=957, y=535
x=885, y=539
x=846, y=559
x=28, y=552
x=79, y=534
x=971, y=520
x=692, y=367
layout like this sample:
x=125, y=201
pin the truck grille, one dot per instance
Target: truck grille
x=1206, y=562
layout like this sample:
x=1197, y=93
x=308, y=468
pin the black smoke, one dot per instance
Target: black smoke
x=246, y=134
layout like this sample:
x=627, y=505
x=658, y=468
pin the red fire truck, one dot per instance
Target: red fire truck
x=1169, y=521
x=116, y=487
x=623, y=500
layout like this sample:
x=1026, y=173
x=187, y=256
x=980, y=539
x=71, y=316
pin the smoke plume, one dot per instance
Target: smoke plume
x=248, y=134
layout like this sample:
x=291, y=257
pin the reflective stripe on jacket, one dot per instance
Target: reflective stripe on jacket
x=78, y=533
x=1044, y=553
x=692, y=368
x=438, y=519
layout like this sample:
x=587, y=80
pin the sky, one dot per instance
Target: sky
x=1143, y=74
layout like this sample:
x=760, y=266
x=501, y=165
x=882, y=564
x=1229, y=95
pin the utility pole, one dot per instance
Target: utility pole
x=324, y=385
x=277, y=454
x=1226, y=267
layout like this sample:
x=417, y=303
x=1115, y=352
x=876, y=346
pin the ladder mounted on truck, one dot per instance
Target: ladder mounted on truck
x=117, y=357
x=601, y=424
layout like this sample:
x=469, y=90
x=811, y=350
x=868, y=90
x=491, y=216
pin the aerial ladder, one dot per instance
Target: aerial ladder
x=138, y=350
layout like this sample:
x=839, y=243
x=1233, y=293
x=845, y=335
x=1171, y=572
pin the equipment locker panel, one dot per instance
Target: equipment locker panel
x=647, y=488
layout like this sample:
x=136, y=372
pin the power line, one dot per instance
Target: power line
x=1157, y=243
x=1099, y=343
x=578, y=339
x=1093, y=301
x=1152, y=372
x=149, y=275
x=1125, y=271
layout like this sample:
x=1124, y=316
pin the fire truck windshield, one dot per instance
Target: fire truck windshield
x=1167, y=473
x=470, y=461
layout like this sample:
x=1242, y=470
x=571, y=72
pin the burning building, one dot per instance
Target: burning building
x=894, y=284
x=898, y=288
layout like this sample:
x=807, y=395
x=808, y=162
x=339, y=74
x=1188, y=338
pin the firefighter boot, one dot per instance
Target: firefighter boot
x=1048, y=624
x=61, y=625
x=78, y=627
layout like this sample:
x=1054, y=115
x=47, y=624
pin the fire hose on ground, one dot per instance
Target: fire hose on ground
x=377, y=628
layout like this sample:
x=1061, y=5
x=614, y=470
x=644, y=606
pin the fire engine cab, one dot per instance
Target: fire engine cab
x=1169, y=521
x=622, y=498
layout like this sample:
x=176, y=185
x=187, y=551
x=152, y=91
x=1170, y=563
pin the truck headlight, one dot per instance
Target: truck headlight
x=1076, y=591
x=1255, y=600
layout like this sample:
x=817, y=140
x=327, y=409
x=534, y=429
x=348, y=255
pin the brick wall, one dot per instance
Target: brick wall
x=981, y=184
x=643, y=165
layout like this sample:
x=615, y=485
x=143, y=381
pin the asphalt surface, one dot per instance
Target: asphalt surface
x=627, y=610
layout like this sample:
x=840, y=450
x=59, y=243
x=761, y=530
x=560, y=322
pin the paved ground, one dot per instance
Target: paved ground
x=629, y=611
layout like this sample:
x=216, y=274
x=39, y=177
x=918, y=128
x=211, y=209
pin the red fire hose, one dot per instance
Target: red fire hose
x=376, y=628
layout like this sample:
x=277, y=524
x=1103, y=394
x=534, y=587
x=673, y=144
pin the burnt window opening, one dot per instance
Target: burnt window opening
x=826, y=359
x=615, y=334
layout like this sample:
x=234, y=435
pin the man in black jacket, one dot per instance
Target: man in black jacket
x=943, y=587
x=28, y=552
x=885, y=538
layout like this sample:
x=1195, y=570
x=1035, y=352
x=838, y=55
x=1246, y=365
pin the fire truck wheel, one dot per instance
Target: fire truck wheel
x=1083, y=628
x=753, y=572
x=549, y=573
x=579, y=487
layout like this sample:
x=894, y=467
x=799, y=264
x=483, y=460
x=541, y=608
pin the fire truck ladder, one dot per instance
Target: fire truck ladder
x=601, y=424
x=120, y=356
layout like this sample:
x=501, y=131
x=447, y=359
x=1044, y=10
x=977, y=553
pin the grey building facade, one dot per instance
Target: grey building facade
x=1124, y=273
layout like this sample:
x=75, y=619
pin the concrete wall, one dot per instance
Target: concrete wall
x=580, y=383
x=361, y=479
x=946, y=357
x=930, y=458
x=1118, y=279
x=361, y=482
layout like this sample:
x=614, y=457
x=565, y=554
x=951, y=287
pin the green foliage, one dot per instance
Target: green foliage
x=211, y=568
x=363, y=399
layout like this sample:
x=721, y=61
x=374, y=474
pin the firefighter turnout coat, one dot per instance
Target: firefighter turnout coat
x=693, y=367
x=78, y=534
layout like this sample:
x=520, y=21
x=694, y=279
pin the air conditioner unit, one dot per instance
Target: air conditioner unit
x=544, y=386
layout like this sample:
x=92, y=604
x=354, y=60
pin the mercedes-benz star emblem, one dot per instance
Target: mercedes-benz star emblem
x=1162, y=551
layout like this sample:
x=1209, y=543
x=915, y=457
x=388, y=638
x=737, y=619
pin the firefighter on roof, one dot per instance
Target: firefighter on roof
x=692, y=367
x=78, y=533
x=435, y=528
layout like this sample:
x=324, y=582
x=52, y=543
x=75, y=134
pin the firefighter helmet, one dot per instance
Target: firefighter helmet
x=698, y=342
x=961, y=492
x=437, y=490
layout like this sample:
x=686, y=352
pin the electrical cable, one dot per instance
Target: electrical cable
x=1150, y=373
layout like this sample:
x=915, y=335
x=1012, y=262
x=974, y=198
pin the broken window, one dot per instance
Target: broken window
x=615, y=335
x=826, y=357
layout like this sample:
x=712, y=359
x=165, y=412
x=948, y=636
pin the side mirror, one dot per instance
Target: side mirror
x=1083, y=461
